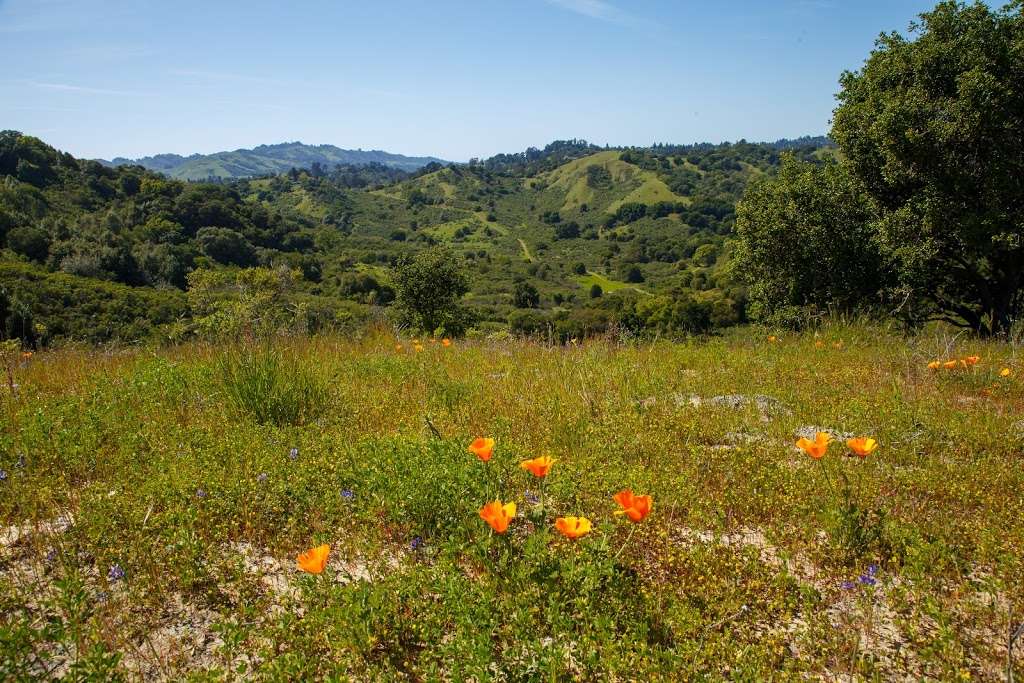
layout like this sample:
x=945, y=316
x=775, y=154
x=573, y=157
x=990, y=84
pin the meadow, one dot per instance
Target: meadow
x=153, y=503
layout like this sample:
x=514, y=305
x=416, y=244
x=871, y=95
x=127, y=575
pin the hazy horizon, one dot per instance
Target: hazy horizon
x=453, y=80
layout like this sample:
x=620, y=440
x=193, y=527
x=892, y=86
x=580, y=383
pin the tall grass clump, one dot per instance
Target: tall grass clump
x=260, y=382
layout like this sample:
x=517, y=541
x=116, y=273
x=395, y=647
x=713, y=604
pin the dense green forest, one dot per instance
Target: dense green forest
x=567, y=240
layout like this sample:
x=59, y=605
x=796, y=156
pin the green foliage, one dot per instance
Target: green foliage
x=931, y=128
x=804, y=244
x=525, y=295
x=567, y=231
x=69, y=632
x=72, y=308
x=32, y=243
x=337, y=225
x=257, y=303
x=681, y=314
x=428, y=287
x=271, y=389
x=226, y=246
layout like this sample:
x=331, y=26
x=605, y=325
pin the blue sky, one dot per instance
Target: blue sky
x=449, y=78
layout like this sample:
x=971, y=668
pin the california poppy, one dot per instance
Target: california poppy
x=819, y=344
x=772, y=338
x=538, y=467
x=482, y=448
x=418, y=347
x=950, y=364
x=1005, y=372
x=398, y=347
x=315, y=559
x=934, y=365
x=498, y=515
x=972, y=360
x=634, y=507
x=862, y=446
x=446, y=342
x=26, y=355
x=816, y=449
x=573, y=527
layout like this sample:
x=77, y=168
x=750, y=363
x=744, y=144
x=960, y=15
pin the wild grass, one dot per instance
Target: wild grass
x=270, y=388
x=152, y=508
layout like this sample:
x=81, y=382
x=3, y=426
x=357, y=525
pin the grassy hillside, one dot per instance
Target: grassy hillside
x=656, y=221
x=155, y=504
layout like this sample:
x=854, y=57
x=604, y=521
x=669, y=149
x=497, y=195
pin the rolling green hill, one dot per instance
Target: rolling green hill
x=604, y=236
x=268, y=160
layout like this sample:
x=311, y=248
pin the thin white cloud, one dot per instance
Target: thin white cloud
x=84, y=90
x=222, y=76
x=19, y=107
x=595, y=9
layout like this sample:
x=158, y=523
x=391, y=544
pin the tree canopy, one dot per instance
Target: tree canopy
x=926, y=209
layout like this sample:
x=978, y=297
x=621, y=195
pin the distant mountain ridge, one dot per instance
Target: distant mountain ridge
x=268, y=160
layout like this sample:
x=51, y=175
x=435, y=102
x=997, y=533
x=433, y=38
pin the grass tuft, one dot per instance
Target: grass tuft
x=269, y=388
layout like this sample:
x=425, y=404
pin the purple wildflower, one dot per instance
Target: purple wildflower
x=347, y=494
x=3, y=475
x=872, y=569
x=531, y=497
x=51, y=555
x=416, y=543
x=200, y=493
x=847, y=585
x=867, y=580
x=115, y=573
x=294, y=453
x=261, y=477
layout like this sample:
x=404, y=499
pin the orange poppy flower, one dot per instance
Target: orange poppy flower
x=934, y=365
x=819, y=344
x=972, y=360
x=498, y=515
x=1005, y=372
x=772, y=338
x=446, y=342
x=26, y=355
x=862, y=446
x=950, y=364
x=634, y=507
x=315, y=559
x=538, y=467
x=398, y=347
x=418, y=347
x=573, y=527
x=482, y=448
x=817, y=448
